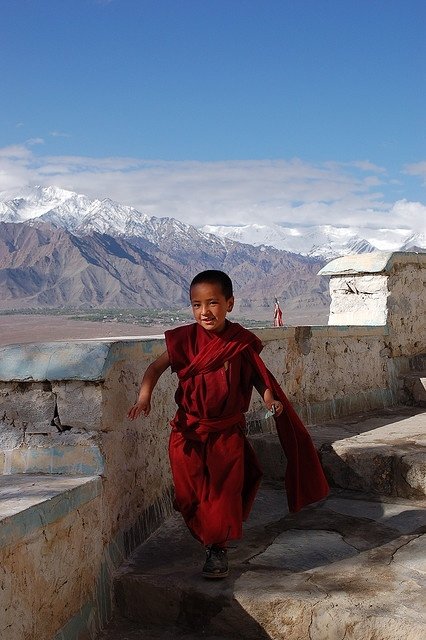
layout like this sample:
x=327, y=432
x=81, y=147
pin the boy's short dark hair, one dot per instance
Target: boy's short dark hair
x=213, y=276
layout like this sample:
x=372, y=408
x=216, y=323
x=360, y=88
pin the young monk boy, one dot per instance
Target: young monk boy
x=215, y=470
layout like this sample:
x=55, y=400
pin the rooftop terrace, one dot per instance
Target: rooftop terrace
x=82, y=488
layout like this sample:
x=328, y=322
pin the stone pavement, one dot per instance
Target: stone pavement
x=352, y=567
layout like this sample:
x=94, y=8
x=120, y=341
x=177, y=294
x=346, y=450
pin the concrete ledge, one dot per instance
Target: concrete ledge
x=92, y=359
x=51, y=543
x=269, y=334
x=30, y=502
x=50, y=552
x=376, y=262
x=87, y=621
x=67, y=460
x=69, y=360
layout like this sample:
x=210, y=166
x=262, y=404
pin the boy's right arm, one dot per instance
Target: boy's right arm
x=149, y=380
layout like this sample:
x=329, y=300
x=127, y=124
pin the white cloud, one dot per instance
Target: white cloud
x=288, y=192
x=409, y=214
x=14, y=171
x=15, y=152
x=33, y=141
x=59, y=134
x=416, y=169
x=366, y=165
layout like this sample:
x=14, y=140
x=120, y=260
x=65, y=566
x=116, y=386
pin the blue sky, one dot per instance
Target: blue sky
x=181, y=107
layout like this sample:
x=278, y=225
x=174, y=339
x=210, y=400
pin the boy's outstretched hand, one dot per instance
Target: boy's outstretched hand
x=275, y=408
x=149, y=380
x=141, y=406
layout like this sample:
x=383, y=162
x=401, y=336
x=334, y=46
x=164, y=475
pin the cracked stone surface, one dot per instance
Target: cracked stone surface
x=301, y=550
x=79, y=403
x=412, y=555
x=387, y=460
x=349, y=567
x=25, y=409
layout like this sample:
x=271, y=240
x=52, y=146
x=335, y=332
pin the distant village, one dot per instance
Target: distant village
x=143, y=317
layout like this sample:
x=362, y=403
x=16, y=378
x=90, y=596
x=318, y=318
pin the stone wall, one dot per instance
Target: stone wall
x=49, y=555
x=75, y=425
x=328, y=372
x=407, y=306
x=94, y=436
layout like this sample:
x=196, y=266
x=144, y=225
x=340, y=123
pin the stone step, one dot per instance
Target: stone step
x=385, y=459
x=414, y=385
x=353, y=566
x=382, y=452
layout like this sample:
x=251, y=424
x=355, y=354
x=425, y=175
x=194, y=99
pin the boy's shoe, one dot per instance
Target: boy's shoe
x=216, y=564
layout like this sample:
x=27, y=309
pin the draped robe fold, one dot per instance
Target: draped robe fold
x=215, y=470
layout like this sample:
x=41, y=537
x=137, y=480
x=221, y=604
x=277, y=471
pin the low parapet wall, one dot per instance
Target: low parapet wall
x=63, y=412
x=328, y=372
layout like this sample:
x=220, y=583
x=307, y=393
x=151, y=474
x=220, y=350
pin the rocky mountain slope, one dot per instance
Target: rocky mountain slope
x=46, y=266
x=62, y=249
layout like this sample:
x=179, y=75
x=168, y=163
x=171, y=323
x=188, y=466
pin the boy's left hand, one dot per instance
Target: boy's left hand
x=275, y=408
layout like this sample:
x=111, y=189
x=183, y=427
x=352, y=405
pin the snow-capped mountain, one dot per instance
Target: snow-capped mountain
x=65, y=207
x=417, y=240
x=62, y=249
x=46, y=266
x=72, y=211
x=81, y=216
x=324, y=241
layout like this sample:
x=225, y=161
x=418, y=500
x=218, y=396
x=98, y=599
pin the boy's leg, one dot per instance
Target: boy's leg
x=208, y=478
x=221, y=509
x=187, y=466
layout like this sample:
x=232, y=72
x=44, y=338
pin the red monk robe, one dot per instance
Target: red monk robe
x=215, y=470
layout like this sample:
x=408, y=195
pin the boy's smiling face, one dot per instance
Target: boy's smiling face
x=210, y=306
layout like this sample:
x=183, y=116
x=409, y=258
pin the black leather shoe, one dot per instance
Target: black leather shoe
x=216, y=564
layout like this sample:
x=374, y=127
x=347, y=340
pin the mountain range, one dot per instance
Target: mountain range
x=63, y=249
x=322, y=241
x=59, y=249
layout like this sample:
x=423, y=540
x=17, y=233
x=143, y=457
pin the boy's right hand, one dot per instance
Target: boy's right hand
x=141, y=406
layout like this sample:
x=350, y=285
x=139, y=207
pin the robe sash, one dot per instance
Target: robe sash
x=196, y=428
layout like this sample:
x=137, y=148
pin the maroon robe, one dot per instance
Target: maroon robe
x=215, y=470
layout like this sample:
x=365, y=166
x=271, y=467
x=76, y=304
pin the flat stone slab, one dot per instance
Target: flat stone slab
x=71, y=360
x=347, y=567
x=404, y=419
x=30, y=502
x=387, y=459
x=298, y=550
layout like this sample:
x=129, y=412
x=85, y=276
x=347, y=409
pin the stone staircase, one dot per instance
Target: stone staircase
x=353, y=566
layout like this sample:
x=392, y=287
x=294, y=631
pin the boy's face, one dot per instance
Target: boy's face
x=209, y=306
